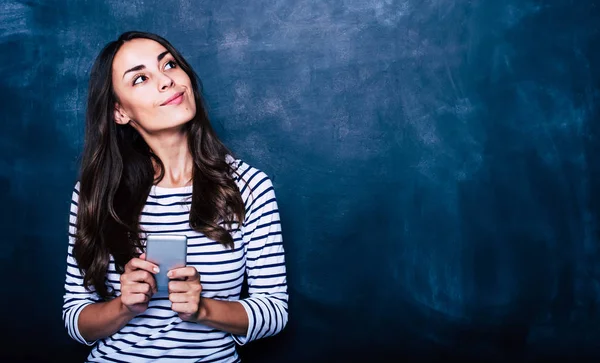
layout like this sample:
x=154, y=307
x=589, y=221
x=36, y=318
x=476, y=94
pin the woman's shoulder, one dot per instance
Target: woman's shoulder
x=247, y=176
x=75, y=191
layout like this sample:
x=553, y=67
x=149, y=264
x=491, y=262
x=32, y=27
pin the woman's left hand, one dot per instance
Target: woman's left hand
x=184, y=292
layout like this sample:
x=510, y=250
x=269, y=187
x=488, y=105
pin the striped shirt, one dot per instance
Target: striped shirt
x=159, y=333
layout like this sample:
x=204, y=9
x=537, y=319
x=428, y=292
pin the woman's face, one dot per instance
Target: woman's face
x=153, y=93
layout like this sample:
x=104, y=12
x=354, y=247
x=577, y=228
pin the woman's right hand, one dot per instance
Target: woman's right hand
x=138, y=284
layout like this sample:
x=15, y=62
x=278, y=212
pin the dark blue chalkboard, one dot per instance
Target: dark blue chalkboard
x=437, y=165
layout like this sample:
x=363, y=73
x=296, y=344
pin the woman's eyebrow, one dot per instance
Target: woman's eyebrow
x=141, y=66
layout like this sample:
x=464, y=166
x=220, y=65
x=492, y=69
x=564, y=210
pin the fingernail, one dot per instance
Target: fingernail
x=169, y=274
x=156, y=269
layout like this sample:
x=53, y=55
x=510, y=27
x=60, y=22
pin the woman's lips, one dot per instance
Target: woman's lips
x=175, y=100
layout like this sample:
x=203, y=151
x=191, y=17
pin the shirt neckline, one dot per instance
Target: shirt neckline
x=156, y=190
x=160, y=191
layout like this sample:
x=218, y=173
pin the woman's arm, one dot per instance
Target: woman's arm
x=102, y=319
x=186, y=300
x=267, y=305
x=87, y=318
x=229, y=316
x=76, y=298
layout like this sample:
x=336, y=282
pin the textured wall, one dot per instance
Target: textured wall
x=436, y=164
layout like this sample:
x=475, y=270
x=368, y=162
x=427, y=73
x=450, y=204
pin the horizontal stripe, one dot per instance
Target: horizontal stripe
x=180, y=195
x=168, y=205
x=187, y=221
x=263, y=215
x=223, y=288
x=265, y=256
x=165, y=214
x=271, y=234
x=153, y=355
x=258, y=286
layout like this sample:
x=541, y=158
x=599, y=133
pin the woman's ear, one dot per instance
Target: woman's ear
x=120, y=116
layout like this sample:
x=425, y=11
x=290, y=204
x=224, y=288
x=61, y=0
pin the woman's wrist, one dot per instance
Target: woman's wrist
x=202, y=311
x=229, y=316
x=124, y=312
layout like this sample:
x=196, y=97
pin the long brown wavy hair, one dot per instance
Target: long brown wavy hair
x=117, y=173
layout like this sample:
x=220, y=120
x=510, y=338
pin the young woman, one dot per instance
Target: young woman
x=153, y=164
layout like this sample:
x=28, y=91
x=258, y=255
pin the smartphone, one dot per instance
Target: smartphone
x=168, y=252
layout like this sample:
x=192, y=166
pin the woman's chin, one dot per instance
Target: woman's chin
x=178, y=121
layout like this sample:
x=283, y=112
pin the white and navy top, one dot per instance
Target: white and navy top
x=159, y=333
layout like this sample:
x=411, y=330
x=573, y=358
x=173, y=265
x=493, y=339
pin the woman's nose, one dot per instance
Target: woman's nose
x=165, y=82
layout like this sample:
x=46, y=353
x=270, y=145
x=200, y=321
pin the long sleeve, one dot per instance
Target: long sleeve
x=76, y=297
x=266, y=304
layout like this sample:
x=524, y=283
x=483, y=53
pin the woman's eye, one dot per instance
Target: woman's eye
x=170, y=64
x=140, y=79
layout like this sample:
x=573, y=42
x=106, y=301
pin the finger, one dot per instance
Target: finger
x=146, y=278
x=184, y=308
x=178, y=298
x=139, y=276
x=133, y=299
x=184, y=273
x=185, y=287
x=178, y=286
x=140, y=264
x=139, y=288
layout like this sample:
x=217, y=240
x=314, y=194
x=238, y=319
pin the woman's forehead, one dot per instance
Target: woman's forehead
x=137, y=52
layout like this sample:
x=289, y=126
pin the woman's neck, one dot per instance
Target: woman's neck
x=176, y=157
